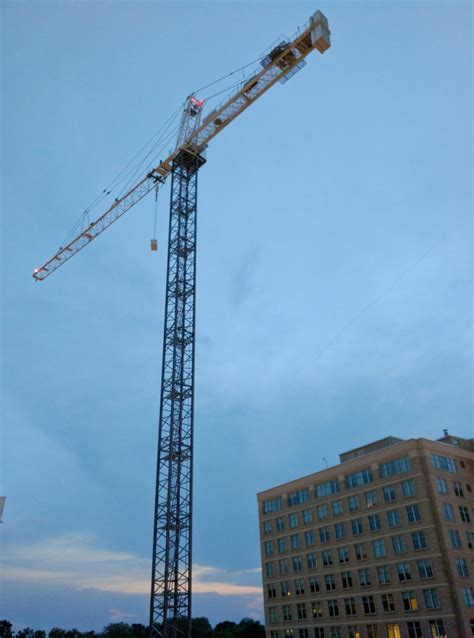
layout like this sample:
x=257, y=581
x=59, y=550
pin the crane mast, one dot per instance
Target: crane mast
x=170, y=605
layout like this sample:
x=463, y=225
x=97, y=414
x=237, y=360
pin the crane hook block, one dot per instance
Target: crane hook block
x=154, y=244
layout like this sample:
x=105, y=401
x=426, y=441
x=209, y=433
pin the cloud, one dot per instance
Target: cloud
x=78, y=561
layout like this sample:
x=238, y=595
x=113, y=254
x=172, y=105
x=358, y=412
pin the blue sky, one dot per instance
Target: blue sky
x=334, y=280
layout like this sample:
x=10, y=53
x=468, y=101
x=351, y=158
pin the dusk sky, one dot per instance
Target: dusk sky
x=334, y=280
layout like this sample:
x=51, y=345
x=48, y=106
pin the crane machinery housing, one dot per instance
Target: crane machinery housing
x=170, y=603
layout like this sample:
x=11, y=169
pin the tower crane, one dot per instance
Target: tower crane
x=170, y=604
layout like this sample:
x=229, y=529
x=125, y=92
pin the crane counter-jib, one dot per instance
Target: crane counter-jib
x=281, y=63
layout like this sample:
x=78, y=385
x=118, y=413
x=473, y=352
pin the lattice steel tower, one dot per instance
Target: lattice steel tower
x=170, y=608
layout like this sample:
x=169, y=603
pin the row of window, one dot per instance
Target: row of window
x=363, y=477
x=385, y=574
x=434, y=628
x=458, y=488
x=448, y=513
x=398, y=543
x=336, y=508
x=407, y=601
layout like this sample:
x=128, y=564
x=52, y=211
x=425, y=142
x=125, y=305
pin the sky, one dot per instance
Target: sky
x=334, y=280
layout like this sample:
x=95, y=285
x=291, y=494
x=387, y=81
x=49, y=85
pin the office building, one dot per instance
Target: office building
x=379, y=546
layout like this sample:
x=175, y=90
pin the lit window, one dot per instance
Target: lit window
x=393, y=630
x=409, y=601
x=437, y=629
x=317, y=609
x=353, y=631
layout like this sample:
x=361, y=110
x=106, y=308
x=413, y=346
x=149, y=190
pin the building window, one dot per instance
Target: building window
x=392, y=468
x=273, y=505
x=442, y=485
x=379, y=548
x=313, y=584
x=340, y=530
x=271, y=591
x=309, y=538
x=448, y=512
x=289, y=633
x=267, y=527
x=319, y=632
x=409, y=488
x=357, y=527
x=303, y=633
x=404, y=572
x=324, y=536
x=311, y=560
x=328, y=488
x=327, y=557
x=353, y=631
x=346, y=578
x=393, y=518
x=470, y=539
x=280, y=523
x=337, y=508
x=360, y=551
x=419, y=540
x=458, y=491
x=298, y=498
x=286, y=611
x=293, y=520
x=413, y=513
x=343, y=554
x=461, y=566
x=281, y=542
x=409, y=601
x=464, y=512
x=307, y=516
x=414, y=629
x=336, y=632
x=322, y=512
x=297, y=563
x=299, y=587
x=425, y=568
x=374, y=523
x=389, y=493
x=333, y=608
x=393, y=630
x=359, y=478
x=317, y=609
x=268, y=548
x=373, y=631
x=330, y=582
x=364, y=578
x=270, y=570
x=272, y=615
x=274, y=634
x=284, y=589
x=354, y=503
x=371, y=499
x=468, y=593
x=383, y=574
x=295, y=541
x=301, y=611
x=388, y=603
x=369, y=604
x=398, y=545
x=444, y=463
x=455, y=538
x=431, y=598
x=350, y=606
x=283, y=565
x=437, y=629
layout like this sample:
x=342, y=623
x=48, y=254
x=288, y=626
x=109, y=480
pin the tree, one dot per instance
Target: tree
x=139, y=631
x=6, y=629
x=225, y=629
x=249, y=628
x=118, y=630
x=57, y=632
x=201, y=628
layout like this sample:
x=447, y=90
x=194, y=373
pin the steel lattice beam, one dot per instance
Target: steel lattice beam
x=170, y=608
